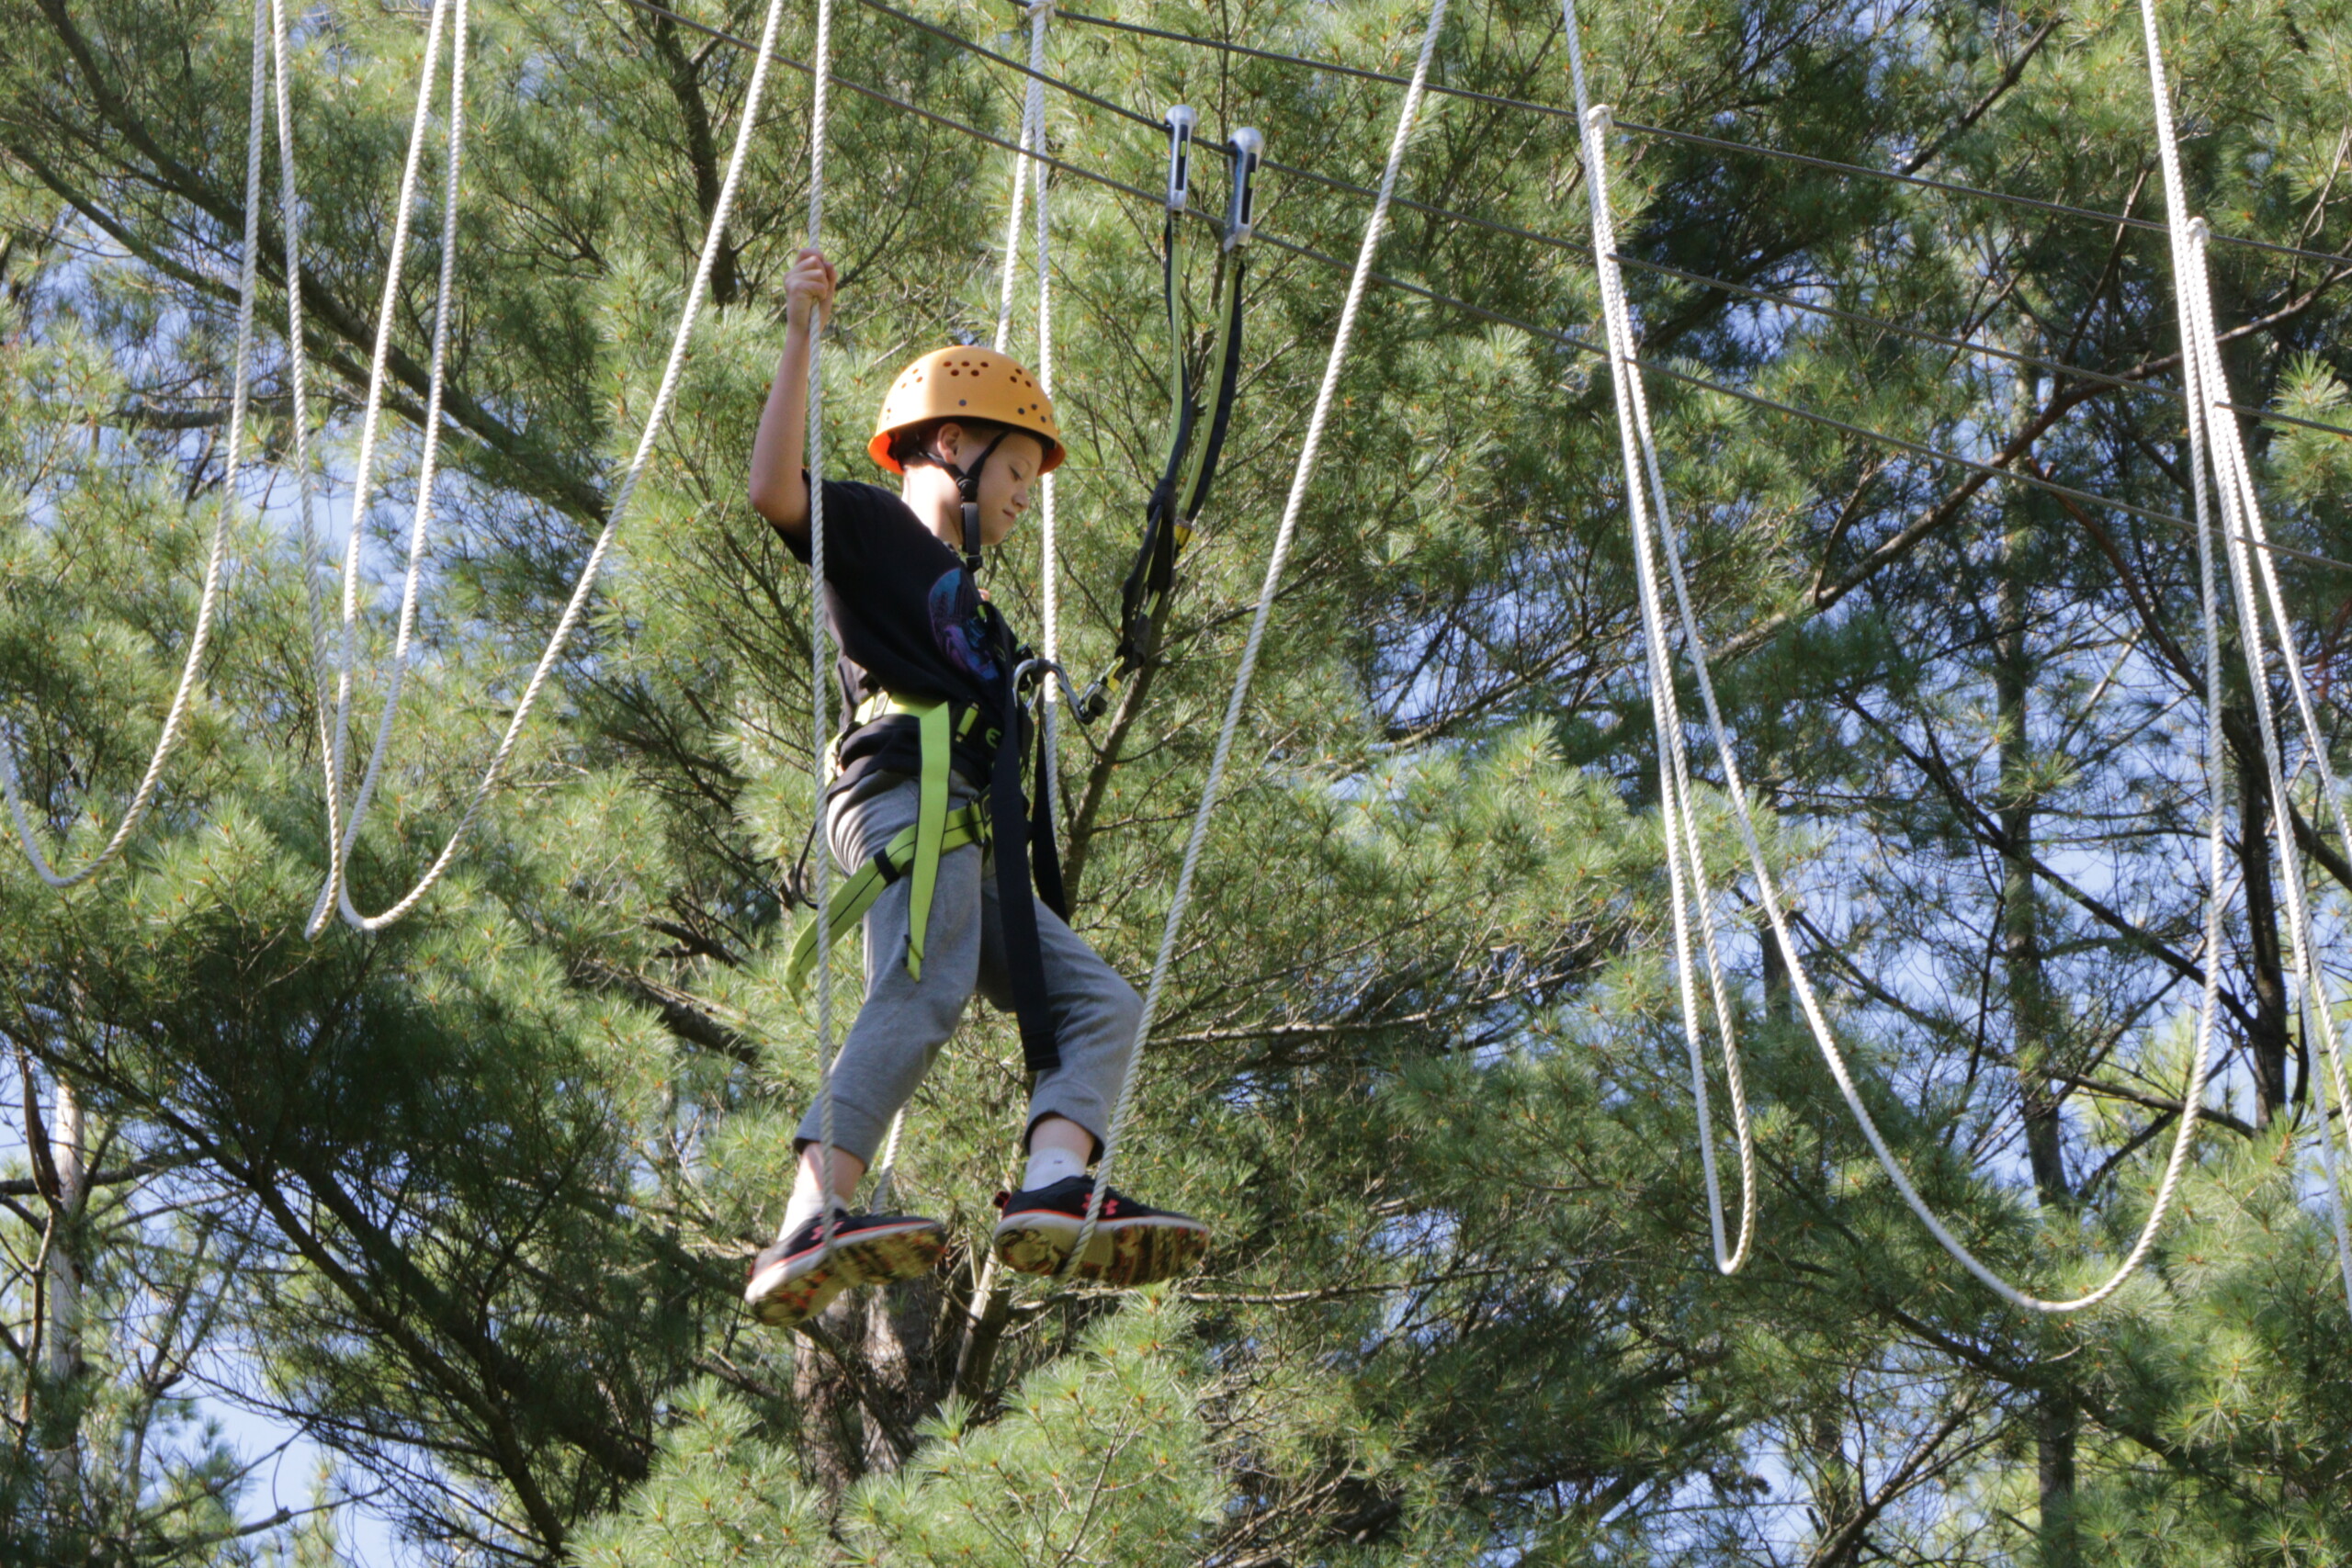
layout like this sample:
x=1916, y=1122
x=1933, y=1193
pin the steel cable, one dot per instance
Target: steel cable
x=1037, y=76
x=1692, y=138
x=1569, y=340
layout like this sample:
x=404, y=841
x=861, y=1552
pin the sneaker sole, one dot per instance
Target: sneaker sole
x=1124, y=1253
x=873, y=1257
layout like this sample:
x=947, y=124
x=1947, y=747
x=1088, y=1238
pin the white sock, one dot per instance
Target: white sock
x=805, y=1205
x=1047, y=1167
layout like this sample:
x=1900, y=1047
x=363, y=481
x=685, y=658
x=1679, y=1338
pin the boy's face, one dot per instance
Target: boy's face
x=1007, y=483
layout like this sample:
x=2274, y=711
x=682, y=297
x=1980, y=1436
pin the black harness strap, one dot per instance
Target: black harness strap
x=1019, y=856
x=967, y=490
x=1186, y=475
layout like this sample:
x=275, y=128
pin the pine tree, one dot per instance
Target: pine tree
x=468, y=1201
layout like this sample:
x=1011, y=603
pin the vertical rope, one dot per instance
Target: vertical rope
x=885, y=1173
x=1688, y=891
x=1033, y=133
x=821, y=660
x=1300, y=481
x=1049, y=557
x=289, y=217
x=2242, y=517
x=216, y=551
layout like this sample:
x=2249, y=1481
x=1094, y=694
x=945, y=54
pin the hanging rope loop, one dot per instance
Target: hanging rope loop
x=2215, y=439
x=342, y=833
x=1647, y=480
x=1690, y=900
x=207, y=603
x=616, y=512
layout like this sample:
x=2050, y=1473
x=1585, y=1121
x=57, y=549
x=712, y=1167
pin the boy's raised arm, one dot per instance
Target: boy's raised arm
x=779, y=483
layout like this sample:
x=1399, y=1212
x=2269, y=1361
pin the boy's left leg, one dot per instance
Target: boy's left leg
x=899, y=1030
x=1096, y=1016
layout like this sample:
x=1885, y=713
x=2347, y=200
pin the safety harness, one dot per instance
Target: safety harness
x=1185, y=474
x=1021, y=833
x=916, y=851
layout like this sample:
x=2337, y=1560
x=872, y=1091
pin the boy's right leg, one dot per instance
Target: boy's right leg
x=1096, y=1016
x=898, y=1033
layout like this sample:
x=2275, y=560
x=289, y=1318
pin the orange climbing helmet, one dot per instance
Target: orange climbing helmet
x=966, y=383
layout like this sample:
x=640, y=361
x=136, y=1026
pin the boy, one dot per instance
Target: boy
x=926, y=672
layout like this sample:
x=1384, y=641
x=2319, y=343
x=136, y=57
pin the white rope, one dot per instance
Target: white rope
x=1048, y=543
x=1300, y=480
x=820, y=670
x=298, y=363
x=207, y=600
x=623, y=495
x=1032, y=137
x=343, y=834
x=2225, y=448
x=2247, y=566
x=1650, y=476
x=1033, y=143
x=1686, y=866
x=885, y=1173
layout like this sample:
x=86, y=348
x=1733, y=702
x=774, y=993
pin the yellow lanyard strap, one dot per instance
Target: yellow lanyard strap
x=930, y=825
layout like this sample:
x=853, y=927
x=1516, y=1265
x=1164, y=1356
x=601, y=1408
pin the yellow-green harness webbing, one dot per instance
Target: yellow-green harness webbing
x=914, y=850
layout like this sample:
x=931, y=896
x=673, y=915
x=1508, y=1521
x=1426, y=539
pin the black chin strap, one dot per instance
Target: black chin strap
x=968, y=486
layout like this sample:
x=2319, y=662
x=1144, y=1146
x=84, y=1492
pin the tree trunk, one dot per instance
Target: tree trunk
x=62, y=1357
x=2024, y=982
x=2031, y=1016
x=832, y=1422
x=901, y=1352
x=2269, y=1042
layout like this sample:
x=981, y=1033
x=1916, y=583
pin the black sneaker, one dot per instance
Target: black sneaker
x=1132, y=1245
x=799, y=1276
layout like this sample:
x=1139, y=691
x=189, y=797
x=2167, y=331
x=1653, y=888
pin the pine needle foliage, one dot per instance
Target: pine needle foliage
x=465, y=1206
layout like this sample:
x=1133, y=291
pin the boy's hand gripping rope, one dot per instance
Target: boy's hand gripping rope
x=1300, y=480
x=208, y=600
x=2214, y=436
x=1649, y=476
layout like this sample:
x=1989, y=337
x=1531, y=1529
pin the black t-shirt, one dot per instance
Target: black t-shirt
x=907, y=618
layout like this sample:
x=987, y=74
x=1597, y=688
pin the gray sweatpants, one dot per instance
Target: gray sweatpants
x=904, y=1023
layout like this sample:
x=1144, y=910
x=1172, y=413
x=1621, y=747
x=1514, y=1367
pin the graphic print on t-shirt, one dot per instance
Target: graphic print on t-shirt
x=957, y=625
x=908, y=619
